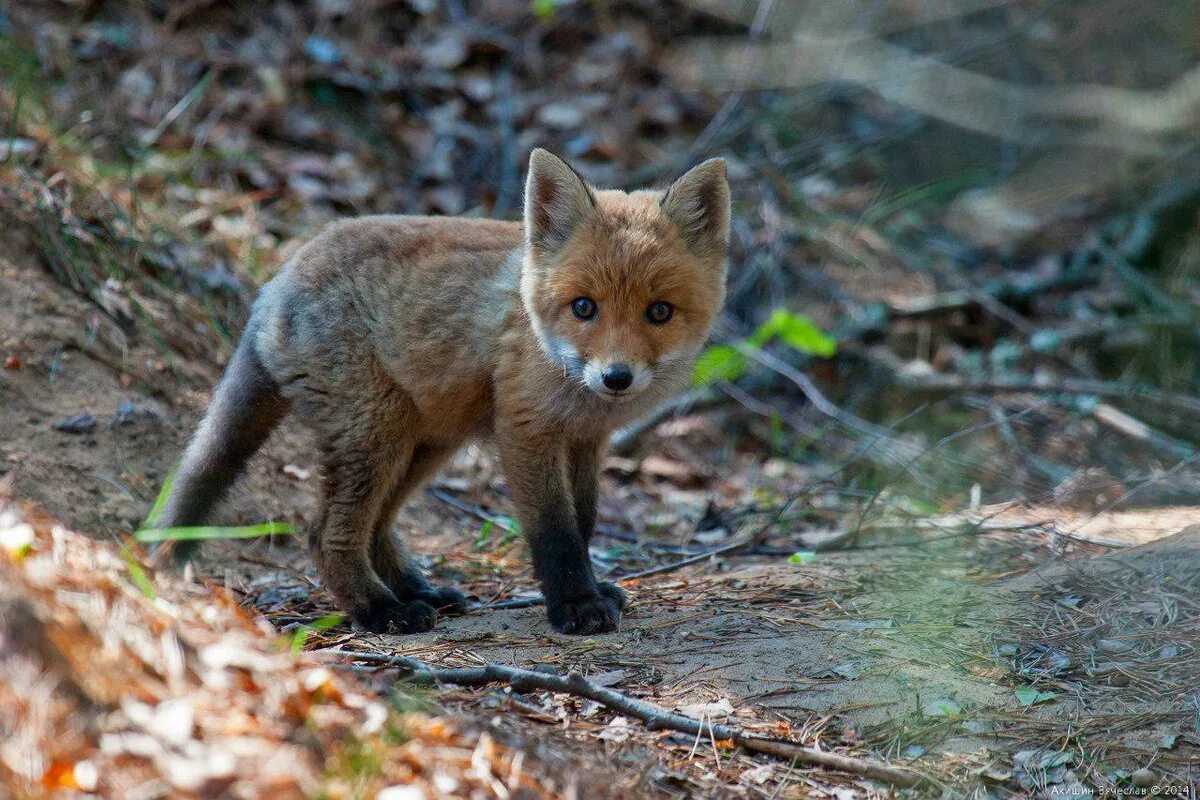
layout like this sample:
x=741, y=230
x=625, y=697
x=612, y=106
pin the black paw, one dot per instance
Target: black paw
x=406, y=616
x=614, y=593
x=597, y=613
x=446, y=599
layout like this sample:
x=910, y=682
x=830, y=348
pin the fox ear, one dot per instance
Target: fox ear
x=699, y=204
x=556, y=200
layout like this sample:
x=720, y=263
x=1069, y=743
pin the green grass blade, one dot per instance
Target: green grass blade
x=204, y=532
x=160, y=501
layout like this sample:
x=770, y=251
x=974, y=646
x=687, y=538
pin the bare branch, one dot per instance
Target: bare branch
x=654, y=716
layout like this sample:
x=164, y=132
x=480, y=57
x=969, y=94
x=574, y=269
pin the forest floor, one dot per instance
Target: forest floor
x=1019, y=647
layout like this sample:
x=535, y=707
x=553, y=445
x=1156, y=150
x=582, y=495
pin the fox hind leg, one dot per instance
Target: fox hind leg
x=393, y=565
x=364, y=460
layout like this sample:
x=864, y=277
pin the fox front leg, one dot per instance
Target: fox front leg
x=538, y=475
x=583, y=473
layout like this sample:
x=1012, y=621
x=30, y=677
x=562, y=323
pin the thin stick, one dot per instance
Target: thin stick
x=1133, y=427
x=940, y=382
x=707, y=554
x=654, y=716
x=624, y=439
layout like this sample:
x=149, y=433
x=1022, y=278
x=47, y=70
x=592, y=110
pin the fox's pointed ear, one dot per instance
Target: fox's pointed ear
x=557, y=199
x=699, y=204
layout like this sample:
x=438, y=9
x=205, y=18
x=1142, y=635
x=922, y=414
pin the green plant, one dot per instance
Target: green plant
x=728, y=362
x=511, y=530
x=301, y=634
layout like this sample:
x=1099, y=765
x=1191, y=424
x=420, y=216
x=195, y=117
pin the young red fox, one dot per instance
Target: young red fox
x=397, y=339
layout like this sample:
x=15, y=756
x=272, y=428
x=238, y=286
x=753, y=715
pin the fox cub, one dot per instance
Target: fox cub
x=397, y=339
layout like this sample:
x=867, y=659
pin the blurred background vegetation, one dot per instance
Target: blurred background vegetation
x=965, y=237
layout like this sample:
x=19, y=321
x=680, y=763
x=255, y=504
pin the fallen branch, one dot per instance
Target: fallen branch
x=1155, y=440
x=942, y=382
x=707, y=554
x=654, y=716
x=624, y=439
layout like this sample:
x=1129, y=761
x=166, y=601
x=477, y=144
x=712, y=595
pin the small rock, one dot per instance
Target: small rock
x=943, y=707
x=1143, y=778
x=1112, y=646
x=978, y=726
x=130, y=414
x=76, y=423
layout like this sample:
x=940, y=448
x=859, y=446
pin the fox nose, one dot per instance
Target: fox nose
x=618, y=377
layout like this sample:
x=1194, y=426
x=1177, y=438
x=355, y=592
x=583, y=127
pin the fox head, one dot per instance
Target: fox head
x=622, y=288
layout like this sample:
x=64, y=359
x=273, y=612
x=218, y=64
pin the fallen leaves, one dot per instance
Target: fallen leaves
x=108, y=689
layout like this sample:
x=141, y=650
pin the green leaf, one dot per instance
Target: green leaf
x=301, y=634
x=802, y=557
x=485, y=531
x=721, y=362
x=1029, y=696
x=796, y=331
x=543, y=9
x=213, y=532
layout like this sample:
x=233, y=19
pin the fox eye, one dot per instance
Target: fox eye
x=659, y=312
x=583, y=307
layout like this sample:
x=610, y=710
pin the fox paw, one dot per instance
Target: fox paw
x=406, y=616
x=614, y=593
x=597, y=613
x=446, y=599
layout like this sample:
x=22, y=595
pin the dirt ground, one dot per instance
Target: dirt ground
x=1022, y=660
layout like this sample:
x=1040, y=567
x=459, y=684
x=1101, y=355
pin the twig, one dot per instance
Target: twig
x=654, y=716
x=1157, y=441
x=707, y=554
x=476, y=511
x=726, y=112
x=1054, y=473
x=895, y=448
x=623, y=439
x=1005, y=291
x=940, y=382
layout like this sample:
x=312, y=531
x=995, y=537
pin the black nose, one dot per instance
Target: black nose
x=618, y=377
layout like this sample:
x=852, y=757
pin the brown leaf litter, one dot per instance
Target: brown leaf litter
x=117, y=687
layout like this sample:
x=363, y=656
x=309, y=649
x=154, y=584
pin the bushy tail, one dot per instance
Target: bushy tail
x=245, y=408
